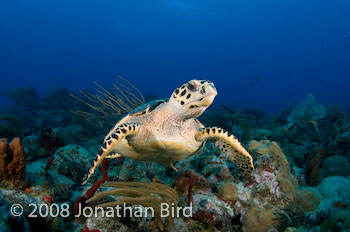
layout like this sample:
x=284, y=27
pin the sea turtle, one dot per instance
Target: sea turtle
x=167, y=130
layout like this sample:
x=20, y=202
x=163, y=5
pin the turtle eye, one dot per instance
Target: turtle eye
x=191, y=87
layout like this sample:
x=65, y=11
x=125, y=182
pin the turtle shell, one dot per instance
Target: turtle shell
x=147, y=107
x=143, y=109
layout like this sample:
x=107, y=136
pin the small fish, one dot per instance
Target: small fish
x=258, y=78
x=227, y=109
x=251, y=84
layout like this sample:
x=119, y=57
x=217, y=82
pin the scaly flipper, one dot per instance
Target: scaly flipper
x=231, y=146
x=171, y=165
x=125, y=129
x=112, y=156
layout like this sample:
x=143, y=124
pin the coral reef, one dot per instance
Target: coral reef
x=272, y=165
x=27, y=97
x=57, y=99
x=10, y=126
x=36, y=114
x=271, y=189
x=301, y=181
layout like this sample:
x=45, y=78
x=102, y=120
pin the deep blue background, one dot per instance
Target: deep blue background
x=294, y=46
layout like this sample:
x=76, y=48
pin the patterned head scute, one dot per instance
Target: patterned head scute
x=194, y=96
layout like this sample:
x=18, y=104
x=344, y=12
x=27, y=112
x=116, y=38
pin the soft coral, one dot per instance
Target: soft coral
x=93, y=189
x=86, y=229
x=50, y=141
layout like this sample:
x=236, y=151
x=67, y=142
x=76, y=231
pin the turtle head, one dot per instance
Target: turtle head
x=193, y=98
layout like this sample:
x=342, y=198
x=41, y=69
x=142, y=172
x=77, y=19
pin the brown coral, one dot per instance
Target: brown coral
x=309, y=199
x=258, y=220
x=12, y=160
x=227, y=191
x=271, y=159
x=312, y=168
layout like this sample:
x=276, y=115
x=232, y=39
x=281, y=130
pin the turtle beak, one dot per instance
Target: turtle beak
x=210, y=93
x=212, y=87
x=208, y=100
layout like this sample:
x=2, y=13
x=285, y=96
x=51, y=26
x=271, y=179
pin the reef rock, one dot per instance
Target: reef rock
x=32, y=148
x=298, y=152
x=104, y=224
x=35, y=172
x=335, y=194
x=309, y=109
x=37, y=196
x=345, y=137
x=335, y=165
x=71, y=134
x=211, y=210
x=71, y=161
x=338, y=221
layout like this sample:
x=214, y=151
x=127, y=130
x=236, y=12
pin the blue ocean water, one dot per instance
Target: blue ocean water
x=293, y=47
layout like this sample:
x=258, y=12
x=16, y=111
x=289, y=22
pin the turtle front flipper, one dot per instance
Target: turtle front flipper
x=231, y=146
x=109, y=144
x=113, y=156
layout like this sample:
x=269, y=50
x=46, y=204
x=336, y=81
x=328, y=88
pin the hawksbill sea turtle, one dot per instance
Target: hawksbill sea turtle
x=167, y=130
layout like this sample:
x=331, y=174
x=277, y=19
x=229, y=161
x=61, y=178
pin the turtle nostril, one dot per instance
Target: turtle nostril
x=213, y=87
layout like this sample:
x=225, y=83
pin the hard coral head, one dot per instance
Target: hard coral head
x=193, y=97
